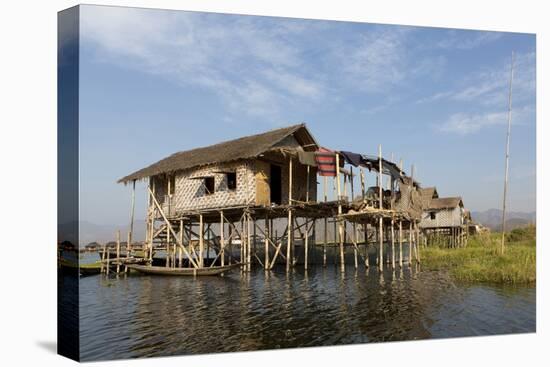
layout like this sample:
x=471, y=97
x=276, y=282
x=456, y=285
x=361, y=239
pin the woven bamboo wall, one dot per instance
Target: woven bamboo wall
x=190, y=193
x=443, y=218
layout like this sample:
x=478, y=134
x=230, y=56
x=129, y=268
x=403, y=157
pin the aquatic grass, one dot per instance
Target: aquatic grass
x=481, y=261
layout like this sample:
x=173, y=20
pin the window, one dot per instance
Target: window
x=432, y=215
x=231, y=180
x=209, y=185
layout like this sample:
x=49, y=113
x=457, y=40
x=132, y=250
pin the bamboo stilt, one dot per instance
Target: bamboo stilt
x=222, y=239
x=290, y=231
x=128, y=250
x=103, y=258
x=365, y=229
x=180, y=250
x=340, y=220
x=201, y=241
x=132, y=211
x=392, y=244
x=400, y=243
x=417, y=243
x=410, y=243
x=118, y=251
x=380, y=205
x=266, y=243
x=306, y=245
x=325, y=183
x=248, y=244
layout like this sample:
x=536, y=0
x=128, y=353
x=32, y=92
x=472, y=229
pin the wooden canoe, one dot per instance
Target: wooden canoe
x=161, y=270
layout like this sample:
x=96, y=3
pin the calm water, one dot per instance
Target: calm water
x=141, y=315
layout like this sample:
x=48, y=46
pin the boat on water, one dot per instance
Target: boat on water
x=161, y=270
x=90, y=269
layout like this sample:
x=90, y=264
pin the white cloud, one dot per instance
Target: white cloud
x=490, y=87
x=464, y=123
x=378, y=61
x=457, y=40
x=252, y=68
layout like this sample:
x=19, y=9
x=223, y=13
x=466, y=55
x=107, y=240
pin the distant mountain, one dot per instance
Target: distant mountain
x=492, y=218
x=90, y=232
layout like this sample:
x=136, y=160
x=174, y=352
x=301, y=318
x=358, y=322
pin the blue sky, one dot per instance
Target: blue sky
x=153, y=82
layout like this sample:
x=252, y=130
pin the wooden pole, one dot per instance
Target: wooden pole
x=400, y=243
x=325, y=183
x=222, y=239
x=354, y=225
x=392, y=243
x=230, y=239
x=152, y=197
x=340, y=221
x=290, y=231
x=118, y=251
x=108, y=263
x=168, y=253
x=132, y=211
x=380, y=204
x=128, y=250
x=410, y=242
x=201, y=241
x=266, y=243
x=248, y=243
x=103, y=257
x=180, y=250
x=507, y=157
x=306, y=244
x=366, y=245
x=307, y=185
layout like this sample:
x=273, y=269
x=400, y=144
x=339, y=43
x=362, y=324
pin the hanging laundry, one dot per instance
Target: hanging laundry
x=326, y=162
x=353, y=158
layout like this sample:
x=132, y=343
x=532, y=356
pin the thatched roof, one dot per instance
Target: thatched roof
x=445, y=203
x=242, y=148
x=426, y=195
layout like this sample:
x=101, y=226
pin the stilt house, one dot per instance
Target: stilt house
x=249, y=171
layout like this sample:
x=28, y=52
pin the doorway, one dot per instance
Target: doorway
x=275, y=184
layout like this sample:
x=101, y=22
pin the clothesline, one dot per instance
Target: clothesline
x=325, y=161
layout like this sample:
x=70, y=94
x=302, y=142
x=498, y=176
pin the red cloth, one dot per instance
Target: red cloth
x=326, y=162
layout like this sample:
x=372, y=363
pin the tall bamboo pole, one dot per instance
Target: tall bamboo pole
x=507, y=156
x=380, y=204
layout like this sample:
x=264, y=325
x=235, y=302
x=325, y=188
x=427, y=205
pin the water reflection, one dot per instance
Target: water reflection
x=140, y=315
